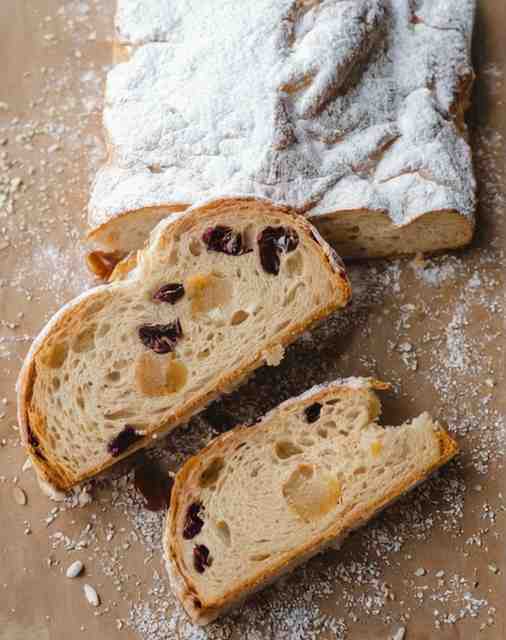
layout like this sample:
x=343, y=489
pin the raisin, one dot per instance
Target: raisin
x=274, y=241
x=224, y=240
x=219, y=419
x=201, y=558
x=313, y=412
x=169, y=293
x=160, y=338
x=154, y=485
x=193, y=522
x=123, y=441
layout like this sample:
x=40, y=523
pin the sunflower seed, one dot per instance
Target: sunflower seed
x=19, y=496
x=400, y=634
x=91, y=595
x=74, y=569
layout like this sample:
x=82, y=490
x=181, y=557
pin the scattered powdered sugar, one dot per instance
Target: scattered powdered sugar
x=458, y=356
x=434, y=328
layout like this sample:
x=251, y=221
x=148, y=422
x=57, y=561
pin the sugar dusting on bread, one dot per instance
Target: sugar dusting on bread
x=375, y=124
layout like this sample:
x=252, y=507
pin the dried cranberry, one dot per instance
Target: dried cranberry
x=224, y=240
x=201, y=558
x=313, y=412
x=274, y=241
x=193, y=523
x=154, y=485
x=161, y=338
x=169, y=293
x=123, y=441
x=218, y=418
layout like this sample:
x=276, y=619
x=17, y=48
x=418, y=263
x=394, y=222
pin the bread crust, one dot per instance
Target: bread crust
x=32, y=423
x=202, y=611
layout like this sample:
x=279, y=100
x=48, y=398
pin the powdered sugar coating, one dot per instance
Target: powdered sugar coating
x=325, y=106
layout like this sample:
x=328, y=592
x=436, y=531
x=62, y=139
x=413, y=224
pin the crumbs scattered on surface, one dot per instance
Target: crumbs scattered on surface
x=439, y=341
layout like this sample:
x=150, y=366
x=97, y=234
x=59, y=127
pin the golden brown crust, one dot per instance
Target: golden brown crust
x=186, y=589
x=32, y=422
x=103, y=263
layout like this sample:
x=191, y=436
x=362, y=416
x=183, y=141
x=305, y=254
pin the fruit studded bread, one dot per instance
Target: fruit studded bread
x=350, y=111
x=262, y=499
x=219, y=291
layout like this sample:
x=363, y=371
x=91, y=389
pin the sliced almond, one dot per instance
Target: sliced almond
x=91, y=595
x=19, y=496
x=74, y=569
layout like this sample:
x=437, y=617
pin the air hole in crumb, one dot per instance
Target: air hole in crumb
x=56, y=384
x=121, y=414
x=286, y=449
x=113, y=376
x=331, y=403
x=239, y=317
x=202, y=355
x=55, y=356
x=195, y=247
x=223, y=531
x=85, y=341
x=260, y=557
x=155, y=168
x=306, y=442
x=290, y=297
x=103, y=329
x=359, y=471
x=211, y=474
x=322, y=432
x=294, y=264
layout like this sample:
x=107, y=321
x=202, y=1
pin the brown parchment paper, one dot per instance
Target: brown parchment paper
x=434, y=329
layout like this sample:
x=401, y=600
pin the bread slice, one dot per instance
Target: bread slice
x=350, y=112
x=219, y=291
x=262, y=499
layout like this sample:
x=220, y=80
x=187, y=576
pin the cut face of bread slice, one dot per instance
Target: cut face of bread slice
x=260, y=500
x=219, y=291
